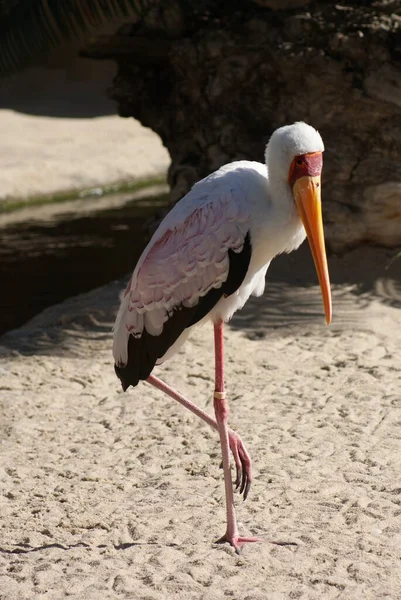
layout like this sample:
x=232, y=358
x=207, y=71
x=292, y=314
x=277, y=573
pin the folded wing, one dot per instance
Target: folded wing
x=200, y=252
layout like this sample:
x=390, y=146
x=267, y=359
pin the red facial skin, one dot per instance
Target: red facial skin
x=305, y=165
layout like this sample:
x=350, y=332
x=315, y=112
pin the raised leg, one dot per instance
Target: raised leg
x=221, y=410
x=241, y=457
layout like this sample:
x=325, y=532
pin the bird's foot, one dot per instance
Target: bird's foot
x=237, y=541
x=243, y=463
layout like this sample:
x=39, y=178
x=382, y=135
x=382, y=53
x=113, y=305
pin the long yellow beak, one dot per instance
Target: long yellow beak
x=306, y=192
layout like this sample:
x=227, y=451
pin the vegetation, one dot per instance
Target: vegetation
x=78, y=194
x=29, y=28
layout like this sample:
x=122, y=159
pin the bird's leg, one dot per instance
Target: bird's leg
x=241, y=457
x=221, y=410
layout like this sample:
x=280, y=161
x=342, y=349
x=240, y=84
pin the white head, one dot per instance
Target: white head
x=289, y=142
x=294, y=162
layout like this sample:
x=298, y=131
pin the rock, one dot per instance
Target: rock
x=222, y=90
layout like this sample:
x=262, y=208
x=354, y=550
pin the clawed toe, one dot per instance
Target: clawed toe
x=242, y=463
x=236, y=541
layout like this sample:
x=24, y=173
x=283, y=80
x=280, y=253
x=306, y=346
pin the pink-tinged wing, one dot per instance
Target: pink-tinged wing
x=187, y=257
x=187, y=261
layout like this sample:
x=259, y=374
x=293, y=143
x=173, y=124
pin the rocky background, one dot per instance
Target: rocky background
x=214, y=78
x=215, y=82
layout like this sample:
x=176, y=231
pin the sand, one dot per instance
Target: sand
x=42, y=155
x=111, y=495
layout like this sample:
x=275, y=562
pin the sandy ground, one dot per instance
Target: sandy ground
x=59, y=131
x=41, y=155
x=111, y=495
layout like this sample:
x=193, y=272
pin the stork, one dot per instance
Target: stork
x=208, y=256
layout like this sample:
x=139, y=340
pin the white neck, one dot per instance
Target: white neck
x=287, y=224
x=276, y=226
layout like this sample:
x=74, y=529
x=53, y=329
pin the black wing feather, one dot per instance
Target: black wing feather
x=144, y=352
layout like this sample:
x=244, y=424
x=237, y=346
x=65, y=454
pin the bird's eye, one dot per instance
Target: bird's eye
x=299, y=161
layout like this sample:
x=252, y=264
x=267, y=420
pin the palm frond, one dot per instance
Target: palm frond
x=30, y=28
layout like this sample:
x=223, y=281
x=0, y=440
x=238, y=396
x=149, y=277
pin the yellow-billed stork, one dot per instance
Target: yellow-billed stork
x=208, y=256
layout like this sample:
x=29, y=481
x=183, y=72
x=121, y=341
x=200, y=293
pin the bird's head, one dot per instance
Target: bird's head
x=295, y=155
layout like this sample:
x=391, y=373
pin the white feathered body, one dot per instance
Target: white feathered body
x=188, y=254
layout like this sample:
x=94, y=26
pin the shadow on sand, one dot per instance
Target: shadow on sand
x=292, y=299
x=292, y=296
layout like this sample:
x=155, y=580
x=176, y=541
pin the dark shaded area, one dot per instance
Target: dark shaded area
x=44, y=263
x=292, y=297
x=74, y=93
x=361, y=268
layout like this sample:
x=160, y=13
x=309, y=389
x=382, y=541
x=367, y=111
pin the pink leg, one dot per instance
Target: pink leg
x=241, y=457
x=221, y=410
